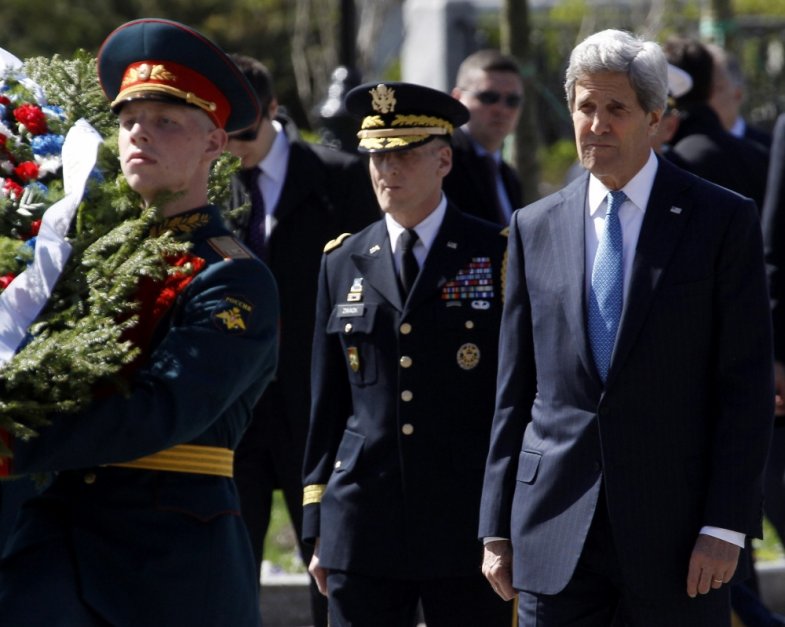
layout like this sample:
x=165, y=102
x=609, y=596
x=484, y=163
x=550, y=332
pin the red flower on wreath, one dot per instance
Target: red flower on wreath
x=26, y=171
x=35, y=226
x=32, y=117
x=156, y=298
x=5, y=280
x=5, y=100
x=12, y=189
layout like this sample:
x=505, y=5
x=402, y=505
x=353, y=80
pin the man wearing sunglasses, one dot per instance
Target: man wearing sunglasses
x=489, y=84
x=309, y=195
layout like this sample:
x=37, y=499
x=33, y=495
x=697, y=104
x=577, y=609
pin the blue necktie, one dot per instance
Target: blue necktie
x=607, y=287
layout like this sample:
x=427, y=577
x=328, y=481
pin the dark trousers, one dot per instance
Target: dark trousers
x=363, y=601
x=597, y=596
x=269, y=458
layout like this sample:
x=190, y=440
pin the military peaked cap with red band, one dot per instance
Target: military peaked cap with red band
x=397, y=116
x=165, y=60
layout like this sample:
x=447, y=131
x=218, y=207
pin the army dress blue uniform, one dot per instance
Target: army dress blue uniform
x=402, y=402
x=140, y=525
x=403, y=382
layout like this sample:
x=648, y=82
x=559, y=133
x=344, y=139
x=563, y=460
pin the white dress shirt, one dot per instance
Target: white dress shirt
x=426, y=233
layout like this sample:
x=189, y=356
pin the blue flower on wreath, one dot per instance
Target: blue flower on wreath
x=49, y=144
x=53, y=111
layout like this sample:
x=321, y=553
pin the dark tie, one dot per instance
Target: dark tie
x=409, y=266
x=607, y=287
x=255, y=236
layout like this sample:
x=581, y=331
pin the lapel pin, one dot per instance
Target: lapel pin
x=676, y=210
x=374, y=249
x=452, y=245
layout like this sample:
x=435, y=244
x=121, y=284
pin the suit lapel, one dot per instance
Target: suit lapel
x=375, y=264
x=666, y=216
x=301, y=178
x=567, y=225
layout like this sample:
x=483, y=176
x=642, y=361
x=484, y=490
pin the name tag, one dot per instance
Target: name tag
x=350, y=311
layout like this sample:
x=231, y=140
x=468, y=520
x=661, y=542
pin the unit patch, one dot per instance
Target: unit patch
x=473, y=282
x=468, y=356
x=232, y=315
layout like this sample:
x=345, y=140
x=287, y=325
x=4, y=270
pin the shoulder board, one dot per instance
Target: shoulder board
x=335, y=243
x=229, y=247
x=505, y=232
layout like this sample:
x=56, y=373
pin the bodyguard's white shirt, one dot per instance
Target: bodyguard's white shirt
x=274, y=167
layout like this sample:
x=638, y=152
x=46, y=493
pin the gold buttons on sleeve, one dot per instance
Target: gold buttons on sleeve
x=89, y=478
x=407, y=429
x=469, y=324
x=405, y=328
x=406, y=361
x=406, y=396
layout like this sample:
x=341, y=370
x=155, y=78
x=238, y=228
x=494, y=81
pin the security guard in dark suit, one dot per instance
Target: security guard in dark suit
x=403, y=375
x=141, y=524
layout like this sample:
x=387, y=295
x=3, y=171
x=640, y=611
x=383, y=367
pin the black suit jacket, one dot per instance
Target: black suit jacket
x=326, y=193
x=470, y=187
x=677, y=437
x=402, y=403
x=774, y=235
x=703, y=147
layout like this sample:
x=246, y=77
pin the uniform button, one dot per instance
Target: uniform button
x=338, y=464
x=406, y=361
x=407, y=395
x=469, y=324
x=348, y=328
x=89, y=478
x=407, y=429
x=406, y=328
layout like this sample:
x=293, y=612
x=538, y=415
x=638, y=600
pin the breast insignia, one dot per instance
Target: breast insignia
x=229, y=247
x=335, y=243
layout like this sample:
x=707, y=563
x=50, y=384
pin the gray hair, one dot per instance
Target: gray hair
x=618, y=51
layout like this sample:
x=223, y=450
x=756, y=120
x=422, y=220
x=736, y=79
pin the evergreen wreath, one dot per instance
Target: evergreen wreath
x=80, y=341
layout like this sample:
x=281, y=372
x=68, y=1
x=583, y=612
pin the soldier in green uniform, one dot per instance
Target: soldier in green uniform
x=141, y=524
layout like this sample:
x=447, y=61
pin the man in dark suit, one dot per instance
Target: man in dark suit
x=490, y=85
x=727, y=98
x=635, y=395
x=403, y=382
x=306, y=195
x=701, y=144
x=140, y=524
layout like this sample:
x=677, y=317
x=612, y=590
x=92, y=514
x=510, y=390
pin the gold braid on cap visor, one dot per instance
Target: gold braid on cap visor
x=403, y=131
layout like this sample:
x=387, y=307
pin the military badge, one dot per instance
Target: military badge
x=232, y=315
x=356, y=291
x=382, y=99
x=468, y=356
x=473, y=282
x=354, y=358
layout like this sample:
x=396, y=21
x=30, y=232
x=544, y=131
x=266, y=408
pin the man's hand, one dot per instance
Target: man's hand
x=712, y=564
x=497, y=568
x=318, y=572
x=779, y=389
